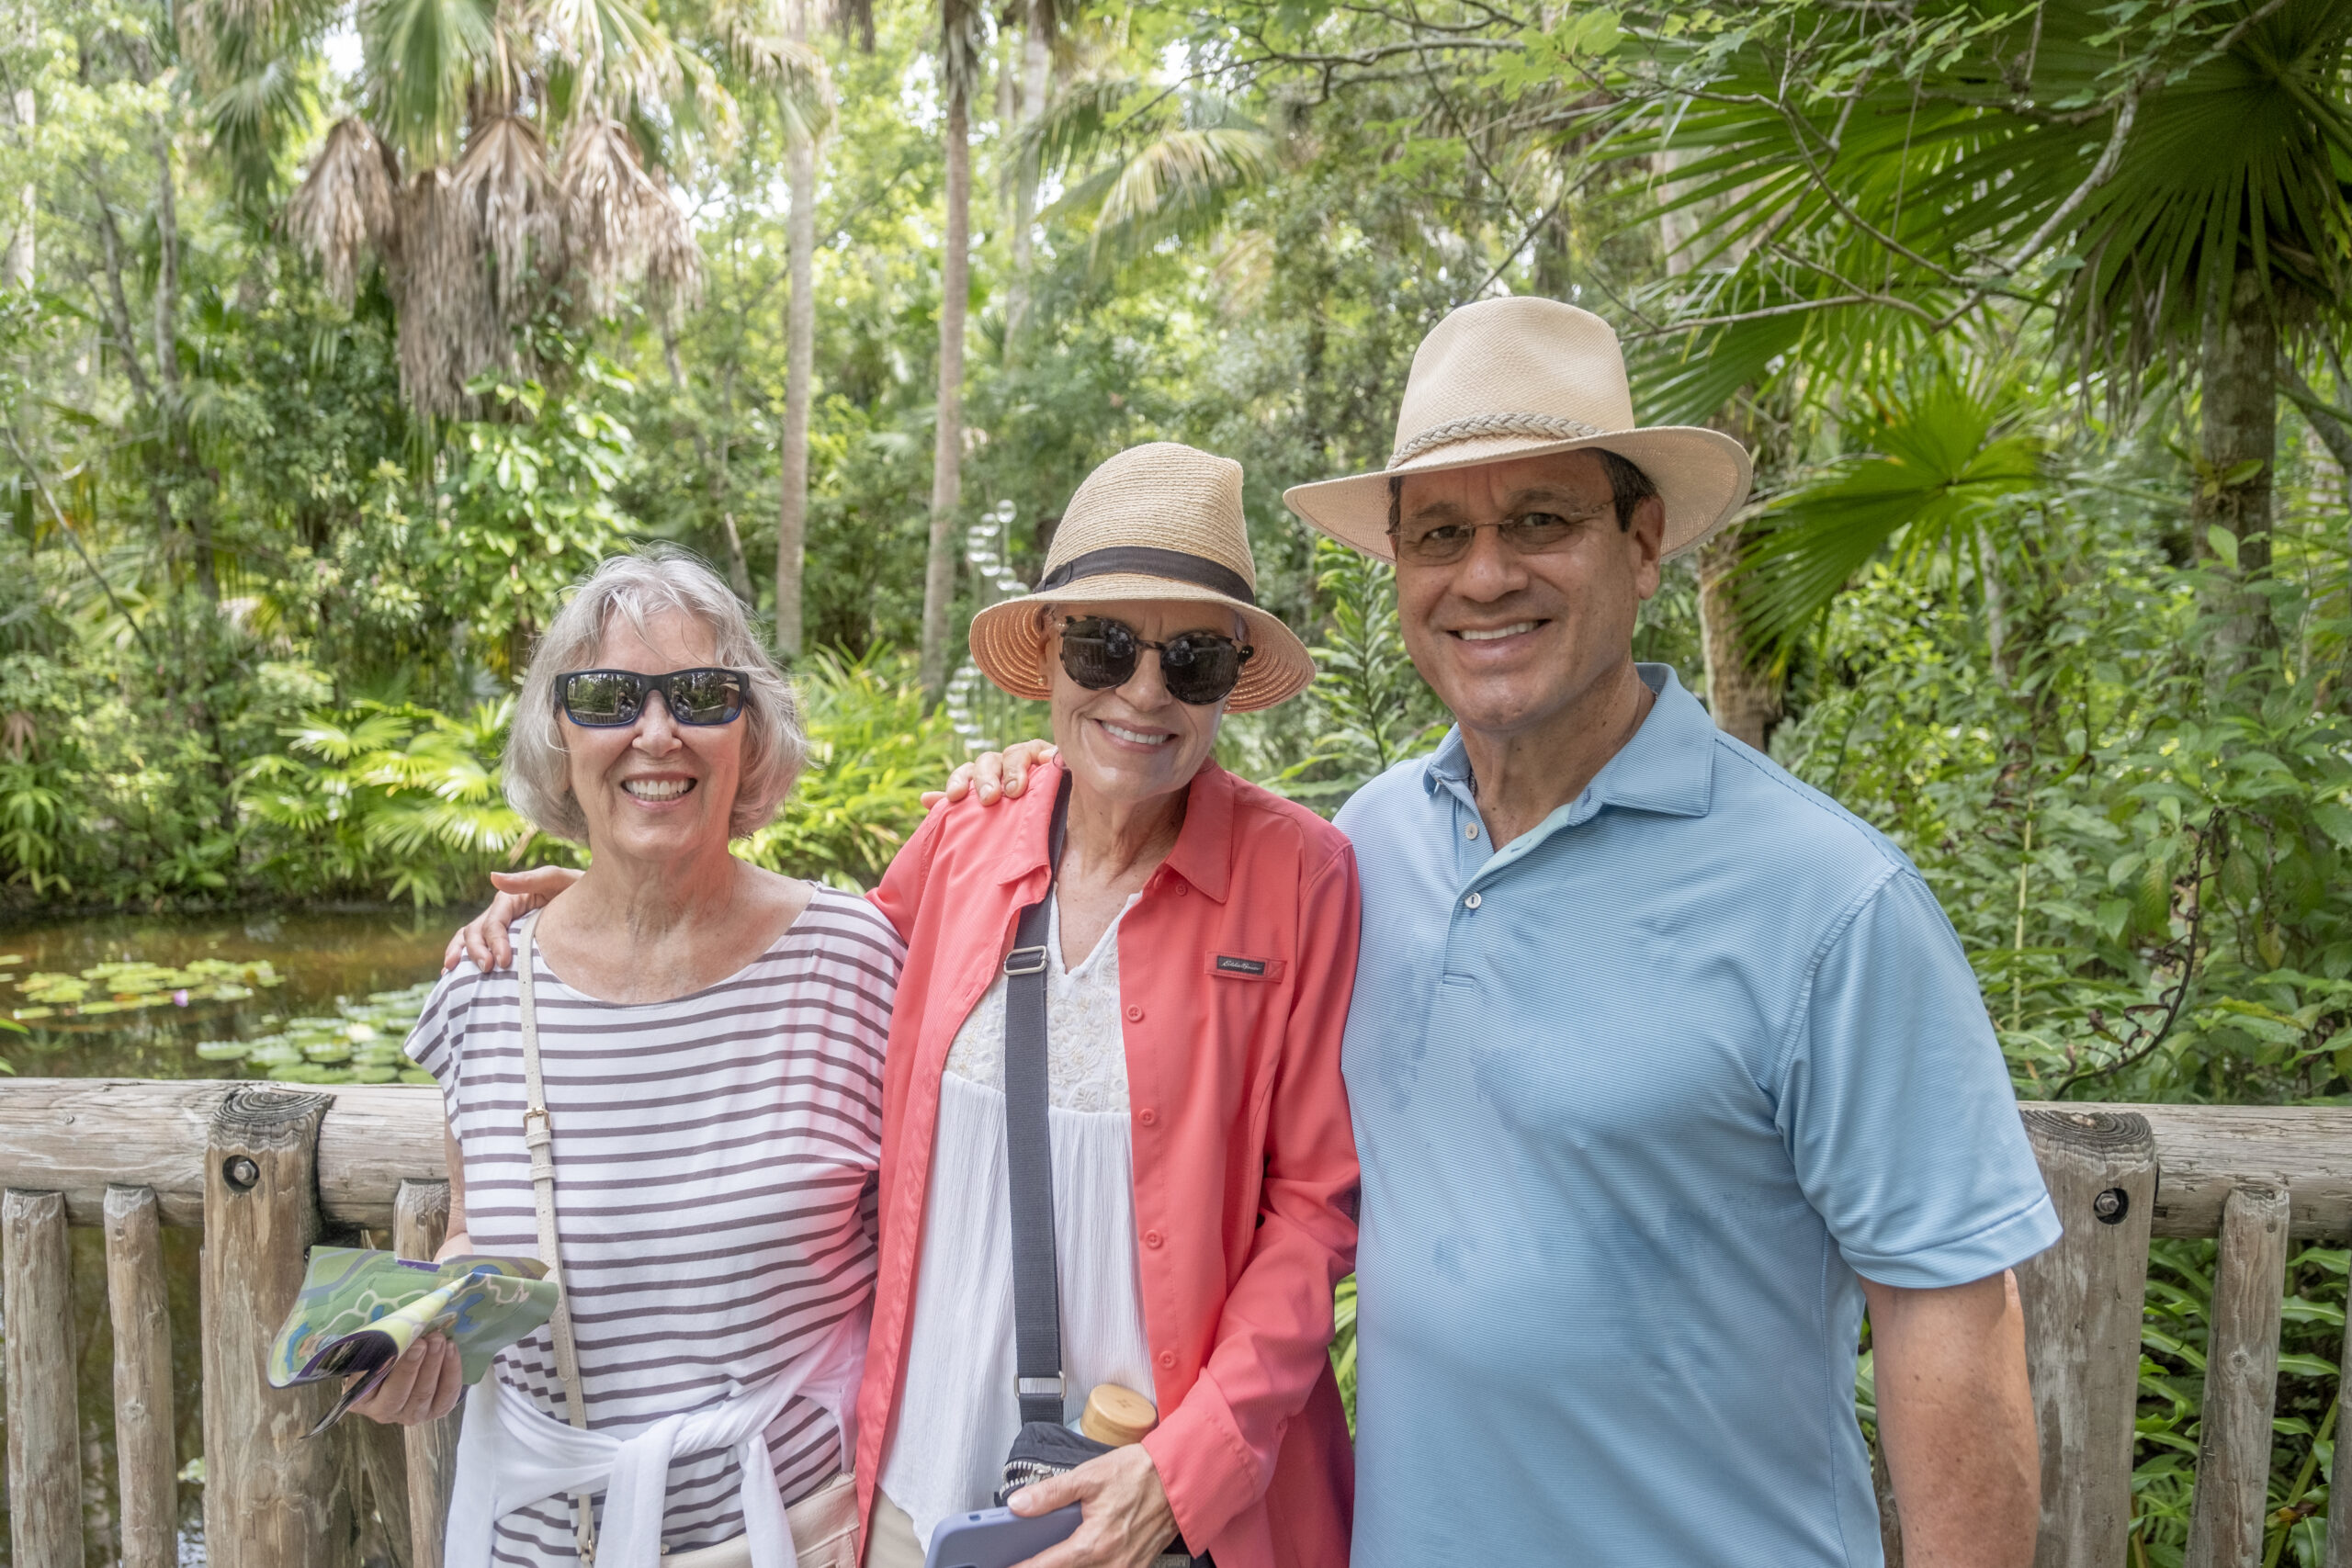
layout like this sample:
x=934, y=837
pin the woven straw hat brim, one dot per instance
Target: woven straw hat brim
x=1702, y=477
x=1010, y=651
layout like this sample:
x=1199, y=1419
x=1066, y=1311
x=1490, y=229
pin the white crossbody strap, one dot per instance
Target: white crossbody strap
x=539, y=1138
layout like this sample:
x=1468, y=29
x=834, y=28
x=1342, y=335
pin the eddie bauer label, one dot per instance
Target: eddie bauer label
x=1240, y=965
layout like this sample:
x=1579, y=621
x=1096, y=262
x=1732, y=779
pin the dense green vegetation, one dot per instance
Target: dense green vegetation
x=332, y=348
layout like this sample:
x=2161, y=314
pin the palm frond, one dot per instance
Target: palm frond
x=343, y=206
x=421, y=58
x=514, y=208
x=1941, y=464
x=622, y=224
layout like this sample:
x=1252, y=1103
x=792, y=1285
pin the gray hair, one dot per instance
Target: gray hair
x=637, y=588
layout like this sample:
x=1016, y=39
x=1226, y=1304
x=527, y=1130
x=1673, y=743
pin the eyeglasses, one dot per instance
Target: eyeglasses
x=1529, y=534
x=1198, y=668
x=607, y=699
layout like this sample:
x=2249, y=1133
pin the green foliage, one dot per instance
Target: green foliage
x=872, y=752
x=1367, y=708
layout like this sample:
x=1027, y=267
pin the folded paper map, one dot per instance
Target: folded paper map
x=358, y=1310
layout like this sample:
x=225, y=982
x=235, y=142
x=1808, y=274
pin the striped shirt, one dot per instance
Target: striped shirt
x=715, y=1167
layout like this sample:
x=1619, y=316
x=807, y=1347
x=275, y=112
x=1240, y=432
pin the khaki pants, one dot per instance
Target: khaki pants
x=892, y=1542
x=824, y=1534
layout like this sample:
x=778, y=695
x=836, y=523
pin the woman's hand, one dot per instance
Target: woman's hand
x=992, y=774
x=1126, y=1519
x=484, y=937
x=423, y=1385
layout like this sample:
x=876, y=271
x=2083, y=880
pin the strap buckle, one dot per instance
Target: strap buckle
x=1055, y=1387
x=1025, y=961
x=545, y=1131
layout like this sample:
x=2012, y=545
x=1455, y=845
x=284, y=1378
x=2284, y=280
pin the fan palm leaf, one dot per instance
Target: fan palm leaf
x=420, y=58
x=1941, y=466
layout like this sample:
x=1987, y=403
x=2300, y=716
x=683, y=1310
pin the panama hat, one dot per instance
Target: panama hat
x=1519, y=377
x=1156, y=523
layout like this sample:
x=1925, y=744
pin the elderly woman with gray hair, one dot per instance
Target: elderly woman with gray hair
x=674, y=1102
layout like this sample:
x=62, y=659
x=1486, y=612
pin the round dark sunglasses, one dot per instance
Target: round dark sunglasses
x=607, y=699
x=1198, y=668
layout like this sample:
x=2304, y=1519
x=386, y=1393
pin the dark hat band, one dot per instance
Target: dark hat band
x=1148, y=560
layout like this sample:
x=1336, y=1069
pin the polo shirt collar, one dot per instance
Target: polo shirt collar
x=1203, y=851
x=1668, y=767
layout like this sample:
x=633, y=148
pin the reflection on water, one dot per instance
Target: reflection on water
x=327, y=965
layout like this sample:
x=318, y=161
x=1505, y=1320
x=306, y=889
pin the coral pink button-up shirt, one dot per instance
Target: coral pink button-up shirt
x=1235, y=970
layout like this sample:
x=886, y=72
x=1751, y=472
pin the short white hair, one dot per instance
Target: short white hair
x=635, y=588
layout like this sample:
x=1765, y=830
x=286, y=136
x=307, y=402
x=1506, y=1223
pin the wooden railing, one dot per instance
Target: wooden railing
x=266, y=1171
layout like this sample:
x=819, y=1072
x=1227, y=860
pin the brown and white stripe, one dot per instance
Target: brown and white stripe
x=715, y=1164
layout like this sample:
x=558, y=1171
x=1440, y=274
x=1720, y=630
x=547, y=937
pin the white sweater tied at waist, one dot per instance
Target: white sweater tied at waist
x=510, y=1454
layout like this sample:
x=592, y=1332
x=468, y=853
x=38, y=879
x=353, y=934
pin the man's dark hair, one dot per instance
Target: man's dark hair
x=1628, y=488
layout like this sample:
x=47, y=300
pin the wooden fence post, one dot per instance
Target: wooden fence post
x=2082, y=1298
x=271, y=1499
x=420, y=1225
x=44, y=1427
x=2339, y=1475
x=2241, y=1382
x=147, y=1460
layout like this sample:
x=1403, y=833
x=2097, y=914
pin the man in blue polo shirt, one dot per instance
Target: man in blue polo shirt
x=1662, y=1065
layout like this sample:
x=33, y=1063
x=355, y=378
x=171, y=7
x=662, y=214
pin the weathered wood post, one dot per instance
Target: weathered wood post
x=420, y=1225
x=44, y=1427
x=2240, y=1381
x=271, y=1498
x=2083, y=1300
x=146, y=1459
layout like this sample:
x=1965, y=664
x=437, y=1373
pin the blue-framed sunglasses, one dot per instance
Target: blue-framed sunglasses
x=607, y=699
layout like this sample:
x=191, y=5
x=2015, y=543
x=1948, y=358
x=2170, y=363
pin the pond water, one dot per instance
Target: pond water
x=319, y=997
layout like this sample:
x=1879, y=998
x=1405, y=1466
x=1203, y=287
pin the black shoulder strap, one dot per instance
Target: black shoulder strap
x=1029, y=1151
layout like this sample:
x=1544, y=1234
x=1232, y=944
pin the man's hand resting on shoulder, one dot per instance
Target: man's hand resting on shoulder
x=994, y=776
x=484, y=937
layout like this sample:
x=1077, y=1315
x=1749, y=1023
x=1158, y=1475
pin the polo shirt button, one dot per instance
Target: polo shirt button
x=1167, y=1358
x=1181, y=889
x=1469, y=829
x=1151, y=1238
x=1148, y=1118
x=1135, y=1015
x=1472, y=902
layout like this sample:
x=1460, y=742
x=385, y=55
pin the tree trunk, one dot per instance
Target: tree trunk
x=799, y=376
x=1036, y=65
x=2239, y=427
x=17, y=269
x=1743, y=694
x=946, y=470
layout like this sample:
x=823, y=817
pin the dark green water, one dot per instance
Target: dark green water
x=324, y=962
x=328, y=966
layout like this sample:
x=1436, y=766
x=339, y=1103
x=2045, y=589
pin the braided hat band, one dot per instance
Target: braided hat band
x=1538, y=426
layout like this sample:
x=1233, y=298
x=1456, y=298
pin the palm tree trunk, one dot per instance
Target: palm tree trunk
x=1036, y=64
x=800, y=370
x=1743, y=694
x=2237, y=439
x=946, y=475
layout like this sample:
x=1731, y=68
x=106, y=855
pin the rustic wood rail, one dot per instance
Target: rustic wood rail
x=266, y=1170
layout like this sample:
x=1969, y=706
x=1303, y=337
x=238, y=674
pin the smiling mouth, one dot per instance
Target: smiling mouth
x=1135, y=737
x=657, y=789
x=1494, y=633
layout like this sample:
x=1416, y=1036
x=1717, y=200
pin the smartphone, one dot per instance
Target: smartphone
x=996, y=1538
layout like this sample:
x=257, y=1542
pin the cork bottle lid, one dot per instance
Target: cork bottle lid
x=1117, y=1416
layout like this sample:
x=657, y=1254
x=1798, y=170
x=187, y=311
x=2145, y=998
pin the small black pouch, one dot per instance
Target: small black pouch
x=1043, y=1449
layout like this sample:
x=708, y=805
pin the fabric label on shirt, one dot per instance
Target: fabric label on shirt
x=1234, y=968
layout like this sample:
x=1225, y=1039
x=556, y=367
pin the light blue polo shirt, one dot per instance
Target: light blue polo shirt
x=1637, y=1099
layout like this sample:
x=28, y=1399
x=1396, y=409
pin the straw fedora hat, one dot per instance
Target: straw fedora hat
x=1156, y=523
x=1519, y=377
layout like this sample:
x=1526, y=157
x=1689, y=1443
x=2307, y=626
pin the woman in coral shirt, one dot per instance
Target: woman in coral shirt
x=1199, y=960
